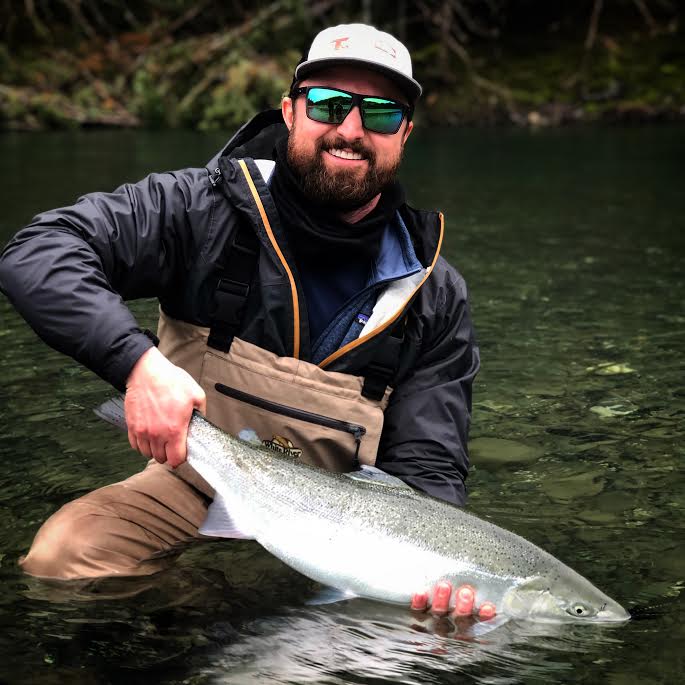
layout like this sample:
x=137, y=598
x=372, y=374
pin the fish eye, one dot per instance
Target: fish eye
x=578, y=610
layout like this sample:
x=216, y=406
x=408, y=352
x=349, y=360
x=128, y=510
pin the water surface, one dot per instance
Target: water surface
x=572, y=243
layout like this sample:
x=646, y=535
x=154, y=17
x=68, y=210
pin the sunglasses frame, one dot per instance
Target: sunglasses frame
x=357, y=101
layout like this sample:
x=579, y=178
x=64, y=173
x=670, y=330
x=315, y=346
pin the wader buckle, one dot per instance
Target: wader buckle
x=376, y=381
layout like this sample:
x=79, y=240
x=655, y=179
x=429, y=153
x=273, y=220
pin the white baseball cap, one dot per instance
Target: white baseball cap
x=361, y=45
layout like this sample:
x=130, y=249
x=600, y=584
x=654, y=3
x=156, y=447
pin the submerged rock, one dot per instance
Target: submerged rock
x=495, y=451
x=609, y=369
x=613, y=408
x=588, y=483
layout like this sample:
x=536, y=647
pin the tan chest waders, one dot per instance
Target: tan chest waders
x=287, y=405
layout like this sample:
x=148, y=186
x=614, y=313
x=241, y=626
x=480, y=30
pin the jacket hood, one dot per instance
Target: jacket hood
x=255, y=139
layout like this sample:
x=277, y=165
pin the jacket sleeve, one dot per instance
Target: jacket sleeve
x=425, y=434
x=70, y=270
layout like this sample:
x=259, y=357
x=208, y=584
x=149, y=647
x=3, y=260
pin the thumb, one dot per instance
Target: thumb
x=200, y=400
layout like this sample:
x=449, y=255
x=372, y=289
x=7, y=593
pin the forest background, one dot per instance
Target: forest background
x=211, y=64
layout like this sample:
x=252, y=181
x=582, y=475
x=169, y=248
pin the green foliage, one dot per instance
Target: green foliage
x=148, y=102
x=49, y=109
x=212, y=65
x=248, y=88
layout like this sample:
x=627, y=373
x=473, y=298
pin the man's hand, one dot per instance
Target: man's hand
x=464, y=602
x=160, y=398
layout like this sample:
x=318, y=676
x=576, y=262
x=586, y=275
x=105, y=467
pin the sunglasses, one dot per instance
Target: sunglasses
x=331, y=106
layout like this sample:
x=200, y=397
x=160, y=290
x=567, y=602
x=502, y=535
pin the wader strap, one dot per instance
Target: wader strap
x=381, y=371
x=233, y=288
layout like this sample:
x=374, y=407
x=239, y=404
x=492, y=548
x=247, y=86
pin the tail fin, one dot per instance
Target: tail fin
x=113, y=412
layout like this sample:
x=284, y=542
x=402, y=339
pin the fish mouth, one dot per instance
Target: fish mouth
x=614, y=614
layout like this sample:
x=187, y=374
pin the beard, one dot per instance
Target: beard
x=342, y=190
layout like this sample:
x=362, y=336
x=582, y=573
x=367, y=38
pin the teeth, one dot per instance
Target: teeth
x=344, y=154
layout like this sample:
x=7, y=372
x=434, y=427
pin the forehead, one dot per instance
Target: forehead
x=357, y=80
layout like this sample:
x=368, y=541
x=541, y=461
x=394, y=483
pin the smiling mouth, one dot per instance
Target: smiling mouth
x=345, y=154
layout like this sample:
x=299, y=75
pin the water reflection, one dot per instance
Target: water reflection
x=361, y=642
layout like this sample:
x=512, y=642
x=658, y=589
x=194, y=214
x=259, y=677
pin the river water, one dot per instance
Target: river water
x=572, y=243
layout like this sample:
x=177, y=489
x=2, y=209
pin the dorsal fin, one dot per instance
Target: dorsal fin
x=371, y=474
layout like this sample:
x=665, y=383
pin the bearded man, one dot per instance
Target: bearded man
x=302, y=302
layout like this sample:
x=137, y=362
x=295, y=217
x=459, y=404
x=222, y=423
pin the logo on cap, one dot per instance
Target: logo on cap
x=340, y=43
x=385, y=47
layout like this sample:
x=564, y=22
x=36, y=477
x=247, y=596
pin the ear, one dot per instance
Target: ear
x=287, y=109
x=410, y=128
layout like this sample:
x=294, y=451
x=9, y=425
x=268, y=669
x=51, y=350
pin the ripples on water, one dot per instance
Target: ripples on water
x=361, y=642
x=572, y=245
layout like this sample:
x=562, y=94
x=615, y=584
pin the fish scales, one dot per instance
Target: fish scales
x=281, y=487
x=434, y=524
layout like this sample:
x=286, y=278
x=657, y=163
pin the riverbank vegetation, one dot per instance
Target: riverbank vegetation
x=208, y=65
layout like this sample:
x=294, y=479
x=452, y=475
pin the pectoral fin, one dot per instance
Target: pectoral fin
x=480, y=628
x=221, y=523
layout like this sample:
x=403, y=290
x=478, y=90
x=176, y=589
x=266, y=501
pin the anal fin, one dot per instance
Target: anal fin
x=330, y=595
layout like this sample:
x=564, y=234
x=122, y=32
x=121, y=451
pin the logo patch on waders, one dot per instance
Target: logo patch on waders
x=280, y=444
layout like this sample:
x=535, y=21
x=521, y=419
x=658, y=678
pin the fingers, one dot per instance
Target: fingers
x=146, y=448
x=487, y=611
x=173, y=453
x=464, y=602
x=464, y=599
x=441, y=598
x=160, y=398
x=176, y=449
x=132, y=439
x=143, y=446
x=158, y=450
x=137, y=443
x=419, y=602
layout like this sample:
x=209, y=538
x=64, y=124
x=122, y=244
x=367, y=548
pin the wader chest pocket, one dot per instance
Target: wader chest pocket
x=292, y=406
x=356, y=431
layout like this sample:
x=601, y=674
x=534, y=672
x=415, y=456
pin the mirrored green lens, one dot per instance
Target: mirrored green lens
x=327, y=105
x=381, y=116
x=331, y=106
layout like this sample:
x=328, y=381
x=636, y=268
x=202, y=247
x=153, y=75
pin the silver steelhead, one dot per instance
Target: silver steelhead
x=367, y=534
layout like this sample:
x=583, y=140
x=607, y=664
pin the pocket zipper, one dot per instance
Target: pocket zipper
x=357, y=431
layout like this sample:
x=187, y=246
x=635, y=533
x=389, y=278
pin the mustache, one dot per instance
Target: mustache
x=340, y=144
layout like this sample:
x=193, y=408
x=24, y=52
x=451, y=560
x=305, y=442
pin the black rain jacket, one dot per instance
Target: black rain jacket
x=69, y=272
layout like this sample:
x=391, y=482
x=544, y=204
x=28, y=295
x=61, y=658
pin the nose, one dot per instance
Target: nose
x=351, y=128
x=613, y=613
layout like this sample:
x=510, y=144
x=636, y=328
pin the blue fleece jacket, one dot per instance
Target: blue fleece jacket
x=340, y=299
